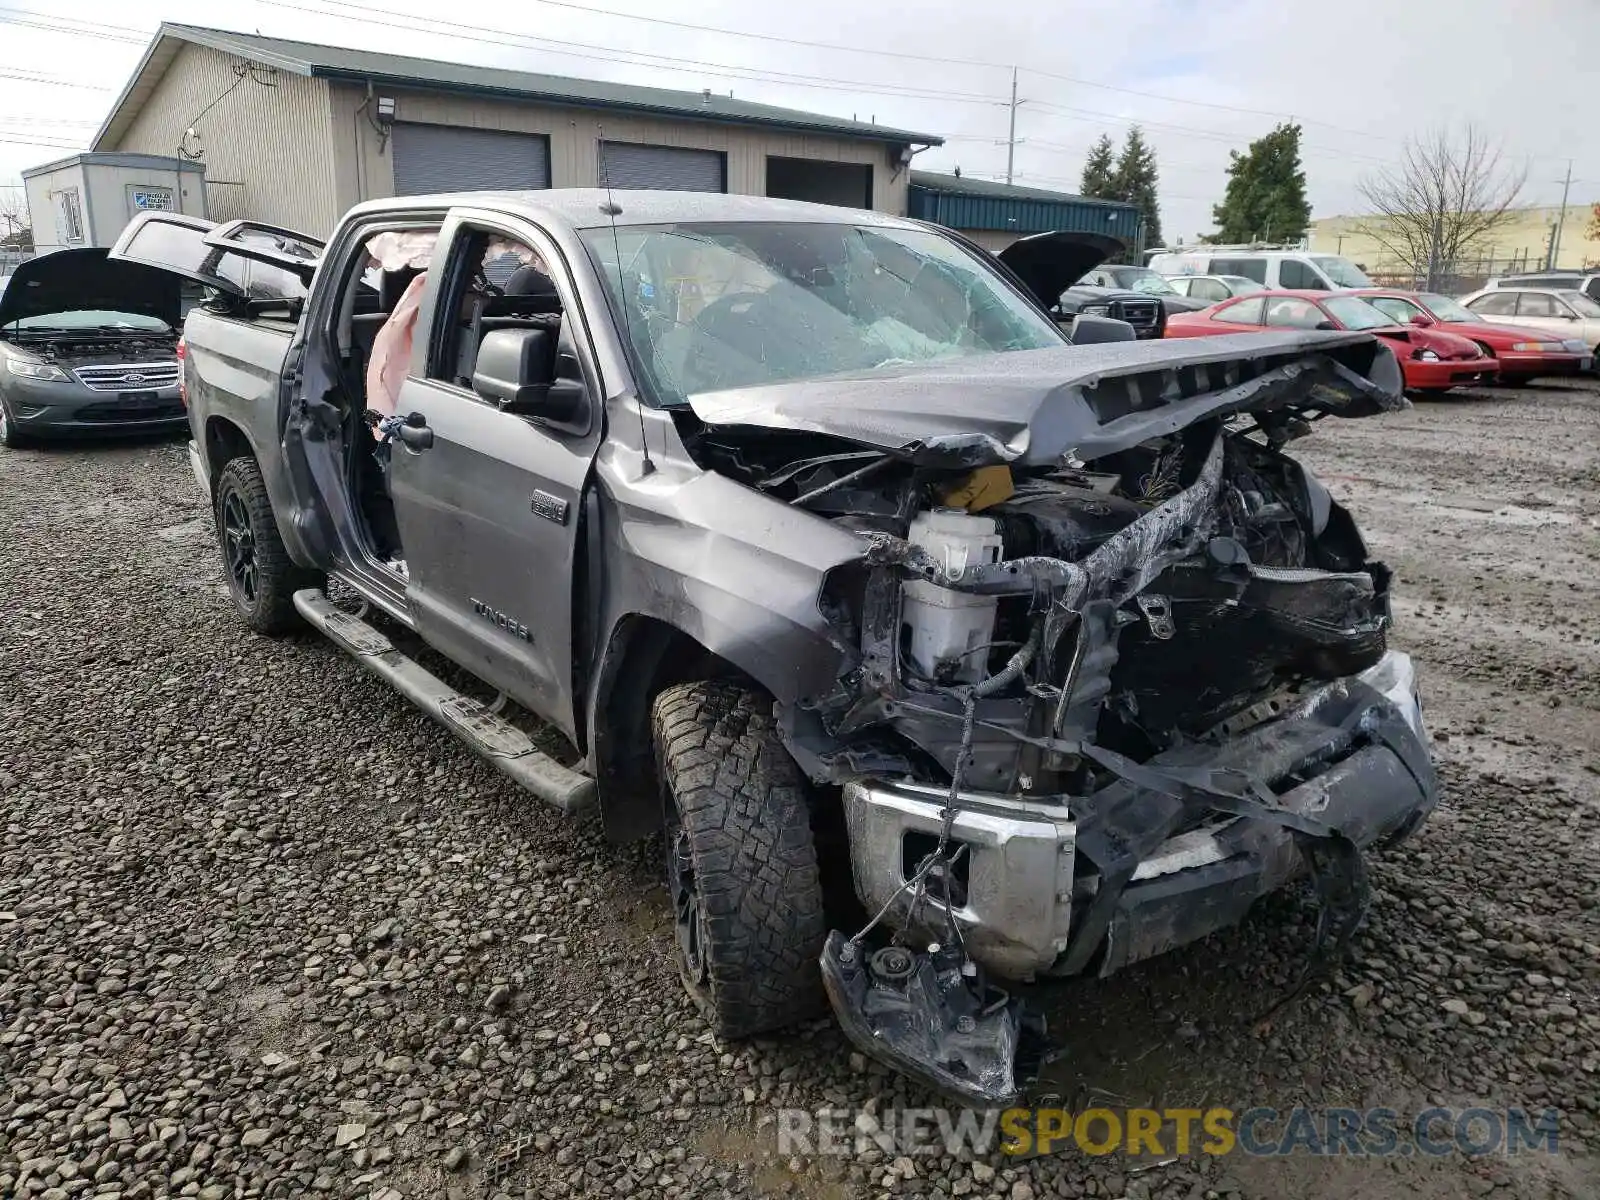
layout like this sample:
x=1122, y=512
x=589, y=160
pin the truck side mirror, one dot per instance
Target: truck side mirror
x=516, y=370
x=1089, y=329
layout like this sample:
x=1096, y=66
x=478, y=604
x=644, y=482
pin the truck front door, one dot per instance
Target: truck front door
x=488, y=502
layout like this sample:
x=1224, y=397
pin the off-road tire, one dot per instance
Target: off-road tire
x=267, y=604
x=737, y=805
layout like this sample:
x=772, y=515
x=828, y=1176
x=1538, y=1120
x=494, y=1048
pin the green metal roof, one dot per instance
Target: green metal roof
x=960, y=202
x=339, y=62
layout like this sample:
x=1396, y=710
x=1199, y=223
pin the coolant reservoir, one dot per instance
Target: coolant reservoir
x=950, y=631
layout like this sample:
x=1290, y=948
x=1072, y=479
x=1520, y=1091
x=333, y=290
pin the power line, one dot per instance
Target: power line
x=50, y=27
x=1211, y=134
x=106, y=25
x=54, y=82
x=1024, y=176
x=733, y=71
x=911, y=56
x=661, y=62
x=28, y=141
x=767, y=37
x=28, y=120
x=1259, y=112
x=1165, y=164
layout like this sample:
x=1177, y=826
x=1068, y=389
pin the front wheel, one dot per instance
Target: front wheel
x=11, y=437
x=741, y=860
x=262, y=578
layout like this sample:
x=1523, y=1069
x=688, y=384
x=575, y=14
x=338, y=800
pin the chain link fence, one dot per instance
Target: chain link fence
x=1468, y=275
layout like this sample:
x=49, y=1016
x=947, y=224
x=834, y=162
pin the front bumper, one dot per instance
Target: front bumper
x=1026, y=874
x=1524, y=364
x=45, y=408
x=1436, y=376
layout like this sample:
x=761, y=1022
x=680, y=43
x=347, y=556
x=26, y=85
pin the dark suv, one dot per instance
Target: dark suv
x=1061, y=269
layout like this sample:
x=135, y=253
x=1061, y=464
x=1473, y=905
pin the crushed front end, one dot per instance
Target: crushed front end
x=1118, y=671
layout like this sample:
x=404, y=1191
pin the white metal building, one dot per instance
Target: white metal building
x=86, y=199
x=294, y=133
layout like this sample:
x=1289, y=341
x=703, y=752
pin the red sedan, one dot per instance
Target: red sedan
x=1430, y=360
x=1524, y=353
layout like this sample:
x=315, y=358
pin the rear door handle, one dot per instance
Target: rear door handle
x=415, y=434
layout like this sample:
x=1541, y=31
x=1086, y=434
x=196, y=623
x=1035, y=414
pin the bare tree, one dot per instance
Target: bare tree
x=14, y=222
x=1449, y=192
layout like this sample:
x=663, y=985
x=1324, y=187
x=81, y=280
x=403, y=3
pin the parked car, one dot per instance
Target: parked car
x=1569, y=315
x=1433, y=361
x=1052, y=265
x=87, y=346
x=1273, y=267
x=1587, y=282
x=1523, y=352
x=1214, y=288
x=832, y=558
x=1145, y=281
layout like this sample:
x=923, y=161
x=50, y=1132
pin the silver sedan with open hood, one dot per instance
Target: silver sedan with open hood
x=88, y=346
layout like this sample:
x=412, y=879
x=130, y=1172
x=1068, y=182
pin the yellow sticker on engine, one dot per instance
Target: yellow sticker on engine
x=984, y=488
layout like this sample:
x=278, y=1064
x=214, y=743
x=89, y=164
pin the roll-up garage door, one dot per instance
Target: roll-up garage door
x=672, y=168
x=450, y=158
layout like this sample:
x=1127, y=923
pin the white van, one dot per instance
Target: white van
x=1271, y=268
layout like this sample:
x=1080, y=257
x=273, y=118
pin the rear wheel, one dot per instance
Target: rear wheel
x=741, y=861
x=262, y=578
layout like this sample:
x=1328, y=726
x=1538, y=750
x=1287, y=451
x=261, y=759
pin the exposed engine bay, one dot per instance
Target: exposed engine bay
x=1112, y=671
x=80, y=349
x=1156, y=595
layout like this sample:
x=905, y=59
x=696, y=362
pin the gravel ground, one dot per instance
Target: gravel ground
x=265, y=930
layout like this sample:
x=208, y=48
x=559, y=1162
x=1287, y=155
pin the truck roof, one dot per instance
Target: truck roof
x=580, y=208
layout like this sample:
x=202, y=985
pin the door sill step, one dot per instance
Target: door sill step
x=506, y=748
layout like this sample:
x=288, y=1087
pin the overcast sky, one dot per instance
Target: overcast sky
x=1202, y=75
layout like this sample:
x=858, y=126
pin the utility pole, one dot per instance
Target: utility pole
x=1561, y=217
x=1010, y=138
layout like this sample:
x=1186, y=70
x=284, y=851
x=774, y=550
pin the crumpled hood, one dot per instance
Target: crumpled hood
x=85, y=279
x=1441, y=341
x=1034, y=406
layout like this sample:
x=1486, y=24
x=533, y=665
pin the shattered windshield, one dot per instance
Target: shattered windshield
x=706, y=307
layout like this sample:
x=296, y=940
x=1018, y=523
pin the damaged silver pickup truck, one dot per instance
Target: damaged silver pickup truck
x=830, y=556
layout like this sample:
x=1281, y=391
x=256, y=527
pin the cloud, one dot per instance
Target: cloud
x=1360, y=75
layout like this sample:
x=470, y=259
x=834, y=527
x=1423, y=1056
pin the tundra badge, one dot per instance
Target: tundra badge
x=495, y=617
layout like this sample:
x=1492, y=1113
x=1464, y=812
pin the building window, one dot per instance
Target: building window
x=69, y=216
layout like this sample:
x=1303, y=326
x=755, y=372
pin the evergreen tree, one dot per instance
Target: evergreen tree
x=1266, y=196
x=1098, y=169
x=1136, y=180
